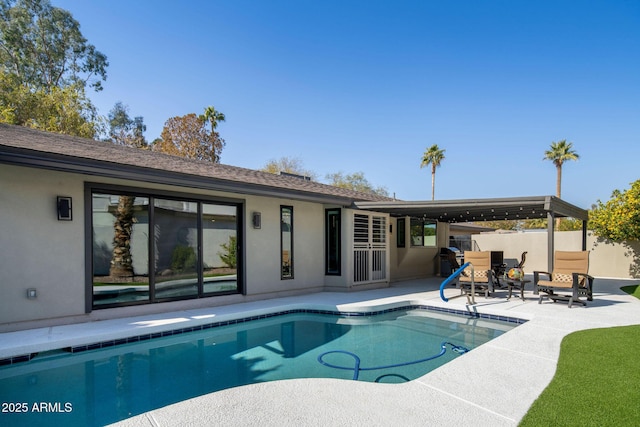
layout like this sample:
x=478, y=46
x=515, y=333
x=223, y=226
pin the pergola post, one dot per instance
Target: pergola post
x=550, y=239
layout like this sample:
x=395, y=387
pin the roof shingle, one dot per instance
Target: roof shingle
x=39, y=143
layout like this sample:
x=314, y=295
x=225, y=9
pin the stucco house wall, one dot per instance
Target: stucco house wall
x=46, y=254
x=38, y=250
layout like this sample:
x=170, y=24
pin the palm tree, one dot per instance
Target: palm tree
x=122, y=260
x=560, y=152
x=433, y=156
x=213, y=116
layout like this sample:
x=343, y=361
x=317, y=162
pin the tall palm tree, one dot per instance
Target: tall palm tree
x=213, y=116
x=560, y=152
x=433, y=156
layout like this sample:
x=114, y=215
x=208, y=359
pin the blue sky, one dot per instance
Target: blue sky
x=349, y=86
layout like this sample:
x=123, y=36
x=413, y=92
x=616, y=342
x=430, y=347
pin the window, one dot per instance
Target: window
x=149, y=249
x=401, y=233
x=286, y=242
x=332, y=242
x=423, y=232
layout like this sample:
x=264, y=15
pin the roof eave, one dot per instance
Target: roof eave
x=63, y=163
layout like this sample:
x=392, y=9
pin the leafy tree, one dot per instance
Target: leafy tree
x=563, y=224
x=62, y=110
x=229, y=256
x=42, y=45
x=288, y=165
x=124, y=130
x=355, y=181
x=45, y=65
x=500, y=224
x=566, y=224
x=559, y=153
x=188, y=136
x=433, y=156
x=183, y=258
x=618, y=219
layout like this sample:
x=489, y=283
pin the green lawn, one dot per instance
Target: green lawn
x=597, y=382
x=632, y=290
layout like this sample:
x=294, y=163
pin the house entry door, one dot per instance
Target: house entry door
x=369, y=248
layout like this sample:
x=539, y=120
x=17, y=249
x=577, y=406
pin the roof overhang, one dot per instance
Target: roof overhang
x=92, y=167
x=476, y=210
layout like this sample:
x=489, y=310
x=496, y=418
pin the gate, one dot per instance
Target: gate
x=369, y=248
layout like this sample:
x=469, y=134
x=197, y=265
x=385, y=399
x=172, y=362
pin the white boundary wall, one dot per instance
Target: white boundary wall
x=605, y=260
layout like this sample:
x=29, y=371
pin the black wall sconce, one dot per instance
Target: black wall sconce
x=64, y=208
x=257, y=220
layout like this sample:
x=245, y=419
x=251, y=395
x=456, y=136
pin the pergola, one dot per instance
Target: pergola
x=478, y=210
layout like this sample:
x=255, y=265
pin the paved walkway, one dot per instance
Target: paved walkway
x=493, y=385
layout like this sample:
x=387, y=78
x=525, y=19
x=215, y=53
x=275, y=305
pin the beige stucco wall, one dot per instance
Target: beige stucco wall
x=263, y=246
x=415, y=262
x=605, y=259
x=38, y=251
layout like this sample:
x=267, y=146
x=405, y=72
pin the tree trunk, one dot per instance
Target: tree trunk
x=433, y=182
x=558, y=188
x=121, y=261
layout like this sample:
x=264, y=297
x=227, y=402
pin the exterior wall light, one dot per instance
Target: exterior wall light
x=64, y=208
x=257, y=220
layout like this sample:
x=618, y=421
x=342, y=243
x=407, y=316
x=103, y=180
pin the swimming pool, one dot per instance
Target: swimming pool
x=97, y=387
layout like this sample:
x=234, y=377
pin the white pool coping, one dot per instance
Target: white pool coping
x=495, y=384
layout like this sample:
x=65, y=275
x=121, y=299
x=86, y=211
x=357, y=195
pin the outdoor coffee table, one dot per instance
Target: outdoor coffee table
x=518, y=284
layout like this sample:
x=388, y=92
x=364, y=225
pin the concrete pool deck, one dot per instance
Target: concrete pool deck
x=493, y=385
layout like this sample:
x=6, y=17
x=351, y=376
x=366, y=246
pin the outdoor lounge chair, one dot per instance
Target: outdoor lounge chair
x=568, y=281
x=482, y=273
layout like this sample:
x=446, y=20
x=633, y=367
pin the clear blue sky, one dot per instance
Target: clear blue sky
x=368, y=85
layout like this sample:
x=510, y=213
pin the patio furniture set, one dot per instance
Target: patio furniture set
x=568, y=282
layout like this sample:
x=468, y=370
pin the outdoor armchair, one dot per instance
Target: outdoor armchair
x=482, y=273
x=568, y=281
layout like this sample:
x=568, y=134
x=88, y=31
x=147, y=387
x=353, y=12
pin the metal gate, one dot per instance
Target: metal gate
x=369, y=248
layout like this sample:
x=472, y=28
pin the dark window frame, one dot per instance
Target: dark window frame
x=422, y=223
x=329, y=227
x=290, y=264
x=92, y=188
x=401, y=233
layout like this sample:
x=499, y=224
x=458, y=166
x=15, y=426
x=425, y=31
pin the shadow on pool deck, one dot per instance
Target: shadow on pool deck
x=492, y=385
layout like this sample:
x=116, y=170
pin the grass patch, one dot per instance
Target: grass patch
x=632, y=290
x=597, y=382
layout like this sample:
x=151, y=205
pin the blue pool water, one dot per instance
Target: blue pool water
x=98, y=387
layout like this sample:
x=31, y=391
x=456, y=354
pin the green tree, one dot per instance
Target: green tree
x=288, y=165
x=619, y=218
x=213, y=116
x=562, y=224
x=355, y=181
x=229, y=256
x=433, y=156
x=124, y=130
x=559, y=153
x=45, y=66
x=42, y=45
x=62, y=110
